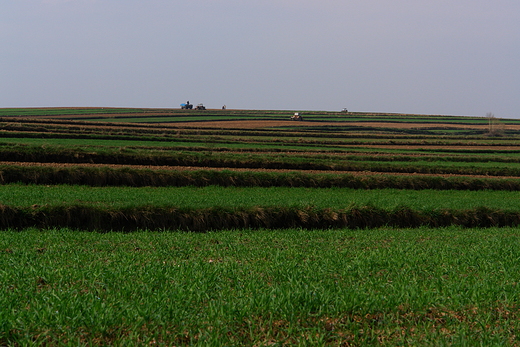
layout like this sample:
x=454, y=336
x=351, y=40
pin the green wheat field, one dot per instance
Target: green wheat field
x=162, y=227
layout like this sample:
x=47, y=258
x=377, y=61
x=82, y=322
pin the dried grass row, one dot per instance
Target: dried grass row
x=210, y=159
x=101, y=177
x=201, y=220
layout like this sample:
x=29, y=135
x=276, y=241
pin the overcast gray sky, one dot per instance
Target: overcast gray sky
x=457, y=57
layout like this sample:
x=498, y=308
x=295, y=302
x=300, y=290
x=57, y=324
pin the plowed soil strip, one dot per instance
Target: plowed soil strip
x=199, y=168
x=255, y=124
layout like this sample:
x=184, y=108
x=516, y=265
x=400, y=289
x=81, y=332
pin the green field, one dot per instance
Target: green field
x=310, y=234
x=292, y=287
x=205, y=197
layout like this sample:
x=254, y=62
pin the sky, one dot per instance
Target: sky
x=453, y=57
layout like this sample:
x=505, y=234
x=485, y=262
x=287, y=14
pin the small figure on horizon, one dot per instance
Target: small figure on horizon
x=187, y=106
x=297, y=116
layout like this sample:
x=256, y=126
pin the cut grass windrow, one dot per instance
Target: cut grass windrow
x=103, y=177
x=296, y=140
x=107, y=126
x=85, y=217
x=126, y=156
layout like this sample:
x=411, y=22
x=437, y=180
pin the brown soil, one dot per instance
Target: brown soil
x=256, y=124
x=412, y=146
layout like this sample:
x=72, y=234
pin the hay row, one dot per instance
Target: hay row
x=102, y=177
x=90, y=218
x=209, y=159
x=59, y=128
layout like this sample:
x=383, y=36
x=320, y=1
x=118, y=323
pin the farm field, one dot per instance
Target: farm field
x=288, y=287
x=242, y=227
x=205, y=197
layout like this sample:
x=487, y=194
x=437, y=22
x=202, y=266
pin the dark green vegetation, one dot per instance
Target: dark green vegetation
x=425, y=287
x=103, y=177
x=344, y=229
x=232, y=197
x=218, y=208
x=327, y=150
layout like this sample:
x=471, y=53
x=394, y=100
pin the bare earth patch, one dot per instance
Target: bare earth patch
x=256, y=124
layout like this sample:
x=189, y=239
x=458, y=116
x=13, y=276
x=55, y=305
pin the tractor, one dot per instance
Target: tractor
x=200, y=107
x=186, y=106
x=297, y=116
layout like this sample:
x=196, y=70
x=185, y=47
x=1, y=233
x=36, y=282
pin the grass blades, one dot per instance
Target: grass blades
x=290, y=287
x=234, y=197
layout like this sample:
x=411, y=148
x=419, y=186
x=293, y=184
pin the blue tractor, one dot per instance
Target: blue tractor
x=186, y=106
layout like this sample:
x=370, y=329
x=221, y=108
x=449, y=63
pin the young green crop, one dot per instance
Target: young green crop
x=295, y=287
x=212, y=196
